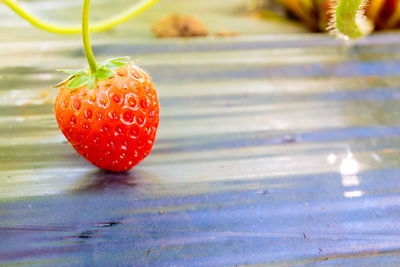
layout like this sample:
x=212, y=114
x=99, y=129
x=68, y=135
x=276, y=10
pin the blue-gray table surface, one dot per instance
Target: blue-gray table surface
x=272, y=149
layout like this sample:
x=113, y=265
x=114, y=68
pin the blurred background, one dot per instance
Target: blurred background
x=239, y=16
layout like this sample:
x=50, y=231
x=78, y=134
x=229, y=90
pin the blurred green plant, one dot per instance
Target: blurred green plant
x=348, y=20
x=345, y=18
x=75, y=29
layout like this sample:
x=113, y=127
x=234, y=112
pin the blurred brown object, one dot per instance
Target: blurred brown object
x=226, y=34
x=179, y=26
x=385, y=14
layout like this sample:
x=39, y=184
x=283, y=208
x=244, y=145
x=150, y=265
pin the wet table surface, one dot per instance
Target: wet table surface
x=272, y=149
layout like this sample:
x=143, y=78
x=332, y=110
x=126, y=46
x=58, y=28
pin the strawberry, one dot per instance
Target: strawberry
x=109, y=112
x=110, y=117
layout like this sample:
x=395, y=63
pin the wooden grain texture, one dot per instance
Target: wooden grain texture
x=272, y=149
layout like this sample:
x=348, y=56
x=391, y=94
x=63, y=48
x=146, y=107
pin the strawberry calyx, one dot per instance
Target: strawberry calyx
x=78, y=78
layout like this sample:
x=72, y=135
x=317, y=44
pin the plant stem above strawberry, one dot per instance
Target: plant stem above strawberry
x=109, y=112
x=102, y=25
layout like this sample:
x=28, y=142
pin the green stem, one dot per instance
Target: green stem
x=346, y=12
x=349, y=18
x=95, y=27
x=85, y=36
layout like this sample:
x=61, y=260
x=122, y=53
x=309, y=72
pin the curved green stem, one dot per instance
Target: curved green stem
x=346, y=12
x=85, y=37
x=349, y=19
x=95, y=27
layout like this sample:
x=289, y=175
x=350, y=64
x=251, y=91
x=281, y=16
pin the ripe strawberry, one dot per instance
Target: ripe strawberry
x=114, y=124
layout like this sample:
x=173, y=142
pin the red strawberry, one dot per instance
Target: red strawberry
x=114, y=124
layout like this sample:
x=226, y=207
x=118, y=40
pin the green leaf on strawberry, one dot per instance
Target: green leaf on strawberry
x=105, y=70
x=115, y=63
x=104, y=73
x=77, y=81
x=91, y=81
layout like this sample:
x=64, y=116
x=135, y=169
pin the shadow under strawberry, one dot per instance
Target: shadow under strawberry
x=105, y=181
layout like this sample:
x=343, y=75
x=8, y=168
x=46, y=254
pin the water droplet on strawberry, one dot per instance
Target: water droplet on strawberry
x=72, y=121
x=148, y=131
x=111, y=144
x=105, y=129
x=116, y=98
x=134, y=132
x=65, y=102
x=92, y=98
x=118, y=131
x=131, y=101
x=103, y=101
x=140, y=120
x=88, y=114
x=144, y=103
x=128, y=117
x=77, y=104
x=113, y=115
